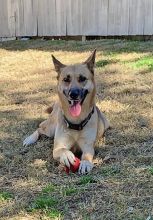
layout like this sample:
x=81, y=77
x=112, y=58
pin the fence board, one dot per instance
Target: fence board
x=136, y=19
x=30, y=17
x=25, y=17
x=102, y=14
x=89, y=17
x=74, y=17
x=4, y=19
x=118, y=17
x=79, y=17
x=11, y=18
x=19, y=18
x=47, y=18
x=148, y=19
x=51, y=18
x=61, y=17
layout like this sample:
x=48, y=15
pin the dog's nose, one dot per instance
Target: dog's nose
x=74, y=93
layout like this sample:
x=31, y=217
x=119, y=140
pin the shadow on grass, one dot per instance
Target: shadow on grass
x=107, y=46
x=102, y=63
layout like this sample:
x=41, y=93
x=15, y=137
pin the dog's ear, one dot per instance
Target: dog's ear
x=58, y=65
x=90, y=62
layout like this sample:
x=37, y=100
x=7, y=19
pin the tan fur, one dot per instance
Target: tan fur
x=68, y=141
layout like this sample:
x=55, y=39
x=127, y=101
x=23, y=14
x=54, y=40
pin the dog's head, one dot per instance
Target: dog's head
x=76, y=86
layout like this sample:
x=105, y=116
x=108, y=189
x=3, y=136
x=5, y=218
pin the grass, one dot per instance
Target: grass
x=102, y=63
x=86, y=179
x=124, y=78
x=110, y=170
x=69, y=191
x=49, y=188
x=144, y=62
x=44, y=202
x=5, y=196
x=151, y=170
x=54, y=214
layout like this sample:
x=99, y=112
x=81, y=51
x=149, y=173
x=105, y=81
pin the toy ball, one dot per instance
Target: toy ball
x=73, y=168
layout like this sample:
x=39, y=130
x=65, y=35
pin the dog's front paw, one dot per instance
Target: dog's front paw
x=85, y=167
x=67, y=158
x=31, y=139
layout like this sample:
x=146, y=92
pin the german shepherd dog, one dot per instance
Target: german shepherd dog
x=75, y=122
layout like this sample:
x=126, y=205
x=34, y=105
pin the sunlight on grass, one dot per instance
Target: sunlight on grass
x=143, y=62
x=108, y=105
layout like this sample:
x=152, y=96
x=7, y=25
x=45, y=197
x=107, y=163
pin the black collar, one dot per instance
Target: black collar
x=80, y=126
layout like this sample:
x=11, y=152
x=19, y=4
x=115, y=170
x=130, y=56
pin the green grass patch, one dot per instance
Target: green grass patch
x=110, y=171
x=144, y=62
x=46, y=203
x=54, y=214
x=49, y=188
x=5, y=196
x=43, y=202
x=119, y=47
x=86, y=179
x=151, y=170
x=102, y=63
x=69, y=191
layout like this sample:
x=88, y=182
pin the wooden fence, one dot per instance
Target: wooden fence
x=75, y=17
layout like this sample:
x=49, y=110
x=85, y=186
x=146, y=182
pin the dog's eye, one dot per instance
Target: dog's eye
x=67, y=79
x=82, y=78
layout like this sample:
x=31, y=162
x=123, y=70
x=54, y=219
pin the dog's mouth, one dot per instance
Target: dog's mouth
x=75, y=105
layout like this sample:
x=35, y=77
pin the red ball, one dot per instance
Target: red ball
x=74, y=168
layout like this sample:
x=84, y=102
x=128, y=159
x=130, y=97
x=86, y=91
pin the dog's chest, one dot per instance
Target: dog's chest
x=88, y=132
x=70, y=137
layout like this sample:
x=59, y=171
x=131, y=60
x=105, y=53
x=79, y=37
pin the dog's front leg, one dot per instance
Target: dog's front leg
x=86, y=164
x=31, y=139
x=64, y=156
x=61, y=151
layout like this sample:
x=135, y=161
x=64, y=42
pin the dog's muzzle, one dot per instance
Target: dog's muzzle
x=75, y=99
x=75, y=95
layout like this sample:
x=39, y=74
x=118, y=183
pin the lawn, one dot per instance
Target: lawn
x=120, y=186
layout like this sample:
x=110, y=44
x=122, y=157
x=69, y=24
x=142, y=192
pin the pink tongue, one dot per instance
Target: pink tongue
x=75, y=110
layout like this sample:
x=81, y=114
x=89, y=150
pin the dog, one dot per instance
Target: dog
x=75, y=122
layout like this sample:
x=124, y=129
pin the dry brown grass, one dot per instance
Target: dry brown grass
x=121, y=189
